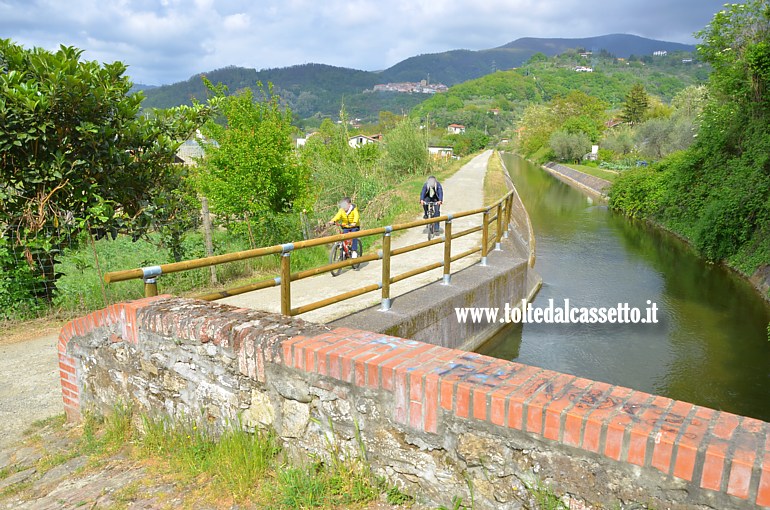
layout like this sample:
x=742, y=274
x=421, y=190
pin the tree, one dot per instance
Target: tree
x=406, y=149
x=538, y=123
x=537, y=57
x=620, y=140
x=735, y=43
x=636, y=104
x=250, y=167
x=689, y=102
x=76, y=154
x=388, y=120
x=569, y=146
x=582, y=124
x=652, y=137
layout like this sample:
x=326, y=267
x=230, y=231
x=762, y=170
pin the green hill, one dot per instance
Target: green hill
x=470, y=103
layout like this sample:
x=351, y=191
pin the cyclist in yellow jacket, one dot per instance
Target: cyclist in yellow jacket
x=349, y=220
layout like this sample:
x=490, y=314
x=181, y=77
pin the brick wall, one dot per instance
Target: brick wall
x=423, y=410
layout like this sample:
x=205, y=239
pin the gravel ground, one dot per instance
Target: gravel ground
x=29, y=385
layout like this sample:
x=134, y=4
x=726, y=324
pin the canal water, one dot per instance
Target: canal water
x=710, y=345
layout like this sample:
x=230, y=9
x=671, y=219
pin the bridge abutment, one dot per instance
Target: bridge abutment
x=439, y=422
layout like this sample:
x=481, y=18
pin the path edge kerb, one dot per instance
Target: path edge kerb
x=431, y=385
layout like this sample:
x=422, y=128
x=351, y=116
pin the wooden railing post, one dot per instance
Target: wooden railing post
x=386, y=270
x=484, y=237
x=286, y=279
x=447, y=250
x=499, y=233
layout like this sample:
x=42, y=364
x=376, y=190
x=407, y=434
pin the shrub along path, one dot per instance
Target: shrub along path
x=463, y=191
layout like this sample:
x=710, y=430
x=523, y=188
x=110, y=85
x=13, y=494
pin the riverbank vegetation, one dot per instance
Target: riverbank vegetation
x=716, y=193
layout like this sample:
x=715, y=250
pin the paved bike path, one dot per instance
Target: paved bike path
x=463, y=191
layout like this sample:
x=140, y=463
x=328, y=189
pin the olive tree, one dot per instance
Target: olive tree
x=570, y=146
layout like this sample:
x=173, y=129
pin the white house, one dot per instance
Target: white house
x=191, y=151
x=360, y=141
x=583, y=69
x=302, y=141
x=444, y=153
x=455, y=129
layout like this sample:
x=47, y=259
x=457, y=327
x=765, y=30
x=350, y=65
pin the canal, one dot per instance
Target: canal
x=710, y=345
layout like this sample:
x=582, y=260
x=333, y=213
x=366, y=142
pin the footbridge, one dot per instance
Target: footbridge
x=406, y=274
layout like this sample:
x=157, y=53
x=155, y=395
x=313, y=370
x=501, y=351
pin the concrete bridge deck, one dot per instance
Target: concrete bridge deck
x=463, y=191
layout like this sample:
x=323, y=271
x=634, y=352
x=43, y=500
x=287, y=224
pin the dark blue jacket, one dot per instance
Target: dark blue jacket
x=439, y=193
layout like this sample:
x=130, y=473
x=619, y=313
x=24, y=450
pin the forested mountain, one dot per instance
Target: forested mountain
x=320, y=89
x=620, y=45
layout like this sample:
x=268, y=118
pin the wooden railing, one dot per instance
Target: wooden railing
x=497, y=214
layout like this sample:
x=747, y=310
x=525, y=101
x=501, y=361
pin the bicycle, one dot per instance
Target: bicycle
x=433, y=228
x=343, y=250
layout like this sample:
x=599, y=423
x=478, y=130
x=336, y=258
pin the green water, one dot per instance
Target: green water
x=710, y=345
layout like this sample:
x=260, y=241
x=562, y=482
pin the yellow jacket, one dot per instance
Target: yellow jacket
x=348, y=220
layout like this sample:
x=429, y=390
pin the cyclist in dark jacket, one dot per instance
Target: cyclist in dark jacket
x=431, y=192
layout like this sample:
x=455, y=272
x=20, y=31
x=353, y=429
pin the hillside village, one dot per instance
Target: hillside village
x=421, y=87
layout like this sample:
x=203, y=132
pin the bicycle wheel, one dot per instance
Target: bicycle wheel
x=430, y=231
x=335, y=255
x=355, y=254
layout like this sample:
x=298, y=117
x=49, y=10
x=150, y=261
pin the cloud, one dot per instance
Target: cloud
x=169, y=40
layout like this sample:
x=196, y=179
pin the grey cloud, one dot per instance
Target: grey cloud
x=169, y=40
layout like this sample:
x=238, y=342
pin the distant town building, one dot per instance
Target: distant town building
x=455, y=129
x=583, y=69
x=495, y=111
x=659, y=53
x=687, y=61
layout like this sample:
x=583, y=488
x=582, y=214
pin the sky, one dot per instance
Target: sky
x=166, y=41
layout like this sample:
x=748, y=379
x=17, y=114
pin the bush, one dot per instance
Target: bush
x=638, y=192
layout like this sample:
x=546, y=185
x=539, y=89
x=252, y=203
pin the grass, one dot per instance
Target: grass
x=236, y=467
x=545, y=498
x=607, y=175
x=495, y=186
x=251, y=466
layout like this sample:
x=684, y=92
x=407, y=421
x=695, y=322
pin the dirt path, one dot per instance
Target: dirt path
x=463, y=191
x=29, y=385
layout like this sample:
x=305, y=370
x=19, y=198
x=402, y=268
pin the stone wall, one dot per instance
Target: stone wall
x=438, y=422
x=594, y=186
